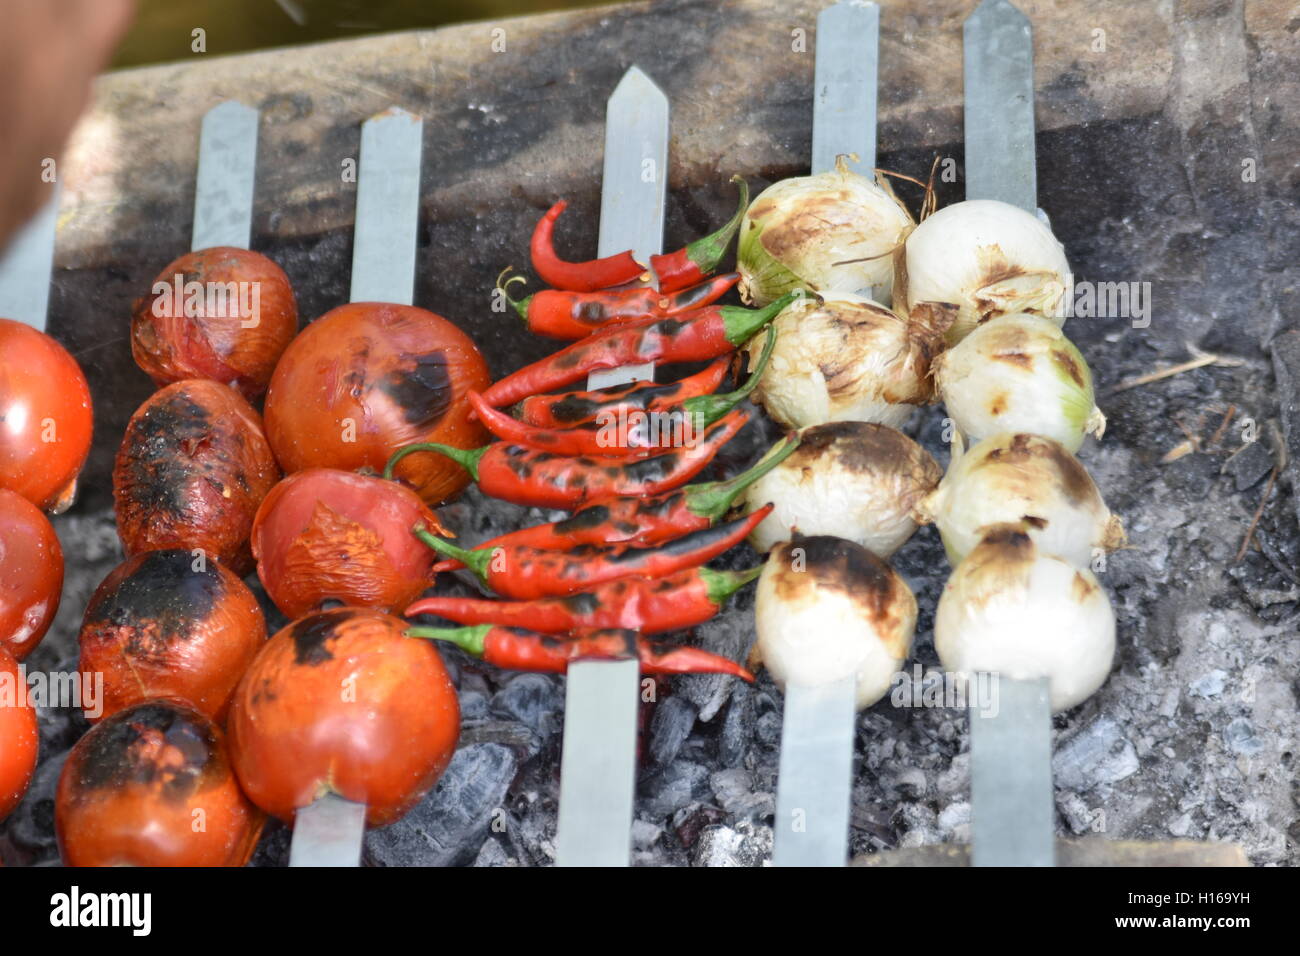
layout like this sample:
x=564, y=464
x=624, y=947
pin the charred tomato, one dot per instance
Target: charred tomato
x=341, y=701
x=45, y=417
x=171, y=624
x=152, y=786
x=191, y=471
x=369, y=377
x=222, y=313
x=324, y=534
x=31, y=574
x=19, y=737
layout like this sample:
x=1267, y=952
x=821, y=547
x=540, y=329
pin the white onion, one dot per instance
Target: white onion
x=855, y=480
x=845, y=358
x=1021, y=478
x=982, y=258
x=827, y=609
x=796, y=231
x=1019, y=373
x=1013, y=611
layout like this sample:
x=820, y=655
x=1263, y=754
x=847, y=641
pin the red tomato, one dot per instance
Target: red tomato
x=31, y=574
x=19, y=738
x=367, y=378
x=46, y=415
x=340, y=701
x=191, y=471
x=246, y=315
x=168, y=624
x=326, y=534
x=152, y=786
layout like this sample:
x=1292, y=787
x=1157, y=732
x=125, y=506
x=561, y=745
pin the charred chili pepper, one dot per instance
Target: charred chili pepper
x=524, y=573
x=520, y=649
x=577, y=276
x=568, y=409
x=526, y=476
x=623, y=433
x=575, y=315
x=674, y=603
x=640, y=520
x=690, y=264
x=696, y=336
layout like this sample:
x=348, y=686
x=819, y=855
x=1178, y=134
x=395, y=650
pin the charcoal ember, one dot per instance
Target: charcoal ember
x=535, y=700
x=674, y=786
x=31, y=825
x=737, y=728
x=1098, y=754
x=689, y=822
x=1286, y=371
x=273, y=847
x=645, y=834
x=730, y=634
x=745, y=844
x=669, y=727
x=1249, y=465
x=492, y=853
x=447, y=827
x=509, y=733
x=735, y=792
x=474, y=705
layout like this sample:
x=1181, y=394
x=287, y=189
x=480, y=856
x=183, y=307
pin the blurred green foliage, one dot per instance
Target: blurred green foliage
x=163, y=29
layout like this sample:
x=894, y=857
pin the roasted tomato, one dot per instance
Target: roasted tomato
x=223, y=314
x=367, y=378
x=45, y=417
x=171, y=624
x=340, y=701
x=152, y=786
x=325, y=534
x=18, y=735
x=31, y=574
x=193, y=467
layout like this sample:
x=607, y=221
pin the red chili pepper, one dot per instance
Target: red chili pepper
x=524, y=573
x=577, y=276
x=623, y=433
x=694, y=337
x=568, y=409
x=690, y=264
x=519, y=649
x=641, y=519
x=575, y=315
x=674, y=603
x=526, y=476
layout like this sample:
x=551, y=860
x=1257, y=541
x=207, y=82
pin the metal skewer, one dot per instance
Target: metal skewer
x=816, y=772
x=26, y=266
x=1011, y=750
x=330, y=831
x=598, y=764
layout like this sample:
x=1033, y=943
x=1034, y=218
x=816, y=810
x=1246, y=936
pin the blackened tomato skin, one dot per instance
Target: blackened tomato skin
x=340, y=701
x=31, y=574
x=324, y=534
x=46, y=415
x=168, y=624
x=19, y=736
x=234, y=346
x=368, y=378
x=191, y=471
x=152, y=786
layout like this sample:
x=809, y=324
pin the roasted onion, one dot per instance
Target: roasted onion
x=223, y=313
x=191, y=471
x=171, y=624
x=369, y=377
x=854, y=480
x=19, y=735
x=324, y=534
